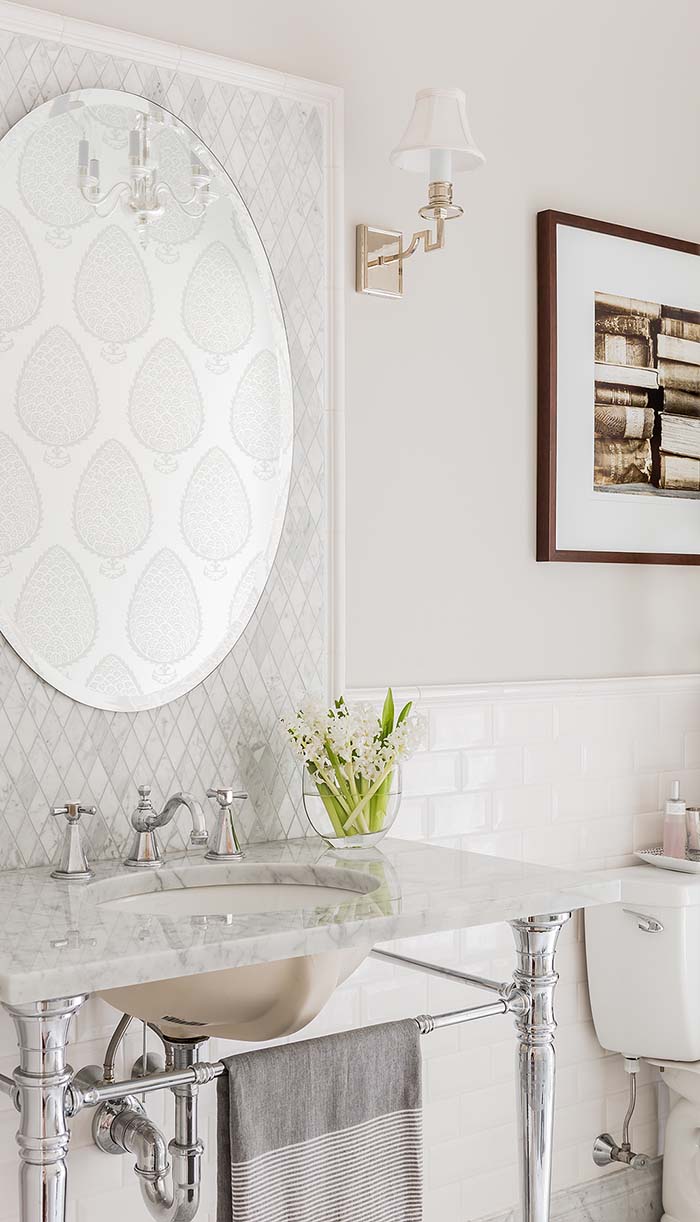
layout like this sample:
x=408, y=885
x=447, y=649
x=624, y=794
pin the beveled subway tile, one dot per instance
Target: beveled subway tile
x=523, y=721
x=551, y=761
x=431, y=773
x=608, y=756
x=466, y=725
x=656, y=752
x=460, y=814
x=524, y=806
x=577, y=799
x=496, y=766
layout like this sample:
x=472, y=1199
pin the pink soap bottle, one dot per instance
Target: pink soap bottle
x=674, y=823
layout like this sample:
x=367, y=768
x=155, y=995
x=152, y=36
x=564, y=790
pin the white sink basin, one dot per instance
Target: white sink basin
x=258, y=1002
x=231, y=899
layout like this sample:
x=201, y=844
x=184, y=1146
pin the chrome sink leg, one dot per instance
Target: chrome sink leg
x=42, y=1079
x=535, y=977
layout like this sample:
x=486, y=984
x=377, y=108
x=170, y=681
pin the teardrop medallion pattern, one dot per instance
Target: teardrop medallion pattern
x=122, y=515
x=215, y=514
x=164, y=620
x=112, y=511
x=113, y=679
x=255, y=413
x=20, y=503
x=46, y=179
x=113, y=298
x=55, y=611
x=217, y=308
x=20, y=283
x=56, y=395
x=165, y=405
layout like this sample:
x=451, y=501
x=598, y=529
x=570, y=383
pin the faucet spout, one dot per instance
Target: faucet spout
x=199, y=834
x=145, y=850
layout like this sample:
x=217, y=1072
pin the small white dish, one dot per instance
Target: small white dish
x=656, y=857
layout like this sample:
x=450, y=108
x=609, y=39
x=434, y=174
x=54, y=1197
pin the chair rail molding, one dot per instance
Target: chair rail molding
x=535, y=689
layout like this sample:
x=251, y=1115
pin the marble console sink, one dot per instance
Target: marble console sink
x=126, y=938
x=259, y=1001
x=59, y=940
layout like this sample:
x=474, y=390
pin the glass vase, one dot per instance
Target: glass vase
x=328, y=819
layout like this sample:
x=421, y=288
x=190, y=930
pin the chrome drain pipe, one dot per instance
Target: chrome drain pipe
x=121, y=1126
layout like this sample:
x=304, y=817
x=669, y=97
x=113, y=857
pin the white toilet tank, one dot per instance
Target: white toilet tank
x=643, y=959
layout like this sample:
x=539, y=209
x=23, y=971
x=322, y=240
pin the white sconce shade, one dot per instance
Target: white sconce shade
x=437, y=141
x=438, y=144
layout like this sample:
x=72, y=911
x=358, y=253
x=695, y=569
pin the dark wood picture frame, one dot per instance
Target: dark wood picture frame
x=547, y=223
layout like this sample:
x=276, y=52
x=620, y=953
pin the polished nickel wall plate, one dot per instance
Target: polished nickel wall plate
x=382, y=279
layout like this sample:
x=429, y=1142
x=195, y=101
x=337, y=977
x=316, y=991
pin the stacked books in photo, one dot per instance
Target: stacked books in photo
x=678, y=349
x=624, y=376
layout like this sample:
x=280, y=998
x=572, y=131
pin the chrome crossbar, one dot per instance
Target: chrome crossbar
x=207, y=1071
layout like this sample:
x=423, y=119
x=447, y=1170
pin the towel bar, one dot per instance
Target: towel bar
x=207, y=1071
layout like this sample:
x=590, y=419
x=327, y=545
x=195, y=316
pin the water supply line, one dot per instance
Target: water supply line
x=605, y=1148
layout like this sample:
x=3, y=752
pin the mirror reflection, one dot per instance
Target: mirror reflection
x=147, y=427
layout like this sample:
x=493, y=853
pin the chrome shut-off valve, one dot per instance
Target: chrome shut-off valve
x=605, y=1148
x=606, y=1151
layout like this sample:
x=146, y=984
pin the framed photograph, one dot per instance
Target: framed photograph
x=619, y=394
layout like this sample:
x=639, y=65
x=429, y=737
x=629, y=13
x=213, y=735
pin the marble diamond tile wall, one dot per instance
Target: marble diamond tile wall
x=227, y=729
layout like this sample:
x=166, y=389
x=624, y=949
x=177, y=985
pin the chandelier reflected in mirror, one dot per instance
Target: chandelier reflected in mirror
x=145, y=195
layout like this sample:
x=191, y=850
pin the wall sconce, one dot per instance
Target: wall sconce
x=437, y=143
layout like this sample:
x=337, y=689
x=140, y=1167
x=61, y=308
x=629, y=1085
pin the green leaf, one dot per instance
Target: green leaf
x=404, y=712
x=387, y=719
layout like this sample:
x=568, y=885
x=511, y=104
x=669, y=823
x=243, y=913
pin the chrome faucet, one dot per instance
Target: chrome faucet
x=73, y=864
x=145, y=850
x=223, y=842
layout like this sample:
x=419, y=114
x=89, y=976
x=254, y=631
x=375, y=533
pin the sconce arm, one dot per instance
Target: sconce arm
x=404, y=252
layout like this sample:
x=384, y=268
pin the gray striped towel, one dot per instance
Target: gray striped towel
x=327, y=1130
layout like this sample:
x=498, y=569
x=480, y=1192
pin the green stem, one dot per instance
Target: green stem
x=359, y=810
x=332, y=808
x=364, y=822
x=340, y=774
x=337, y=795
x=379, y=804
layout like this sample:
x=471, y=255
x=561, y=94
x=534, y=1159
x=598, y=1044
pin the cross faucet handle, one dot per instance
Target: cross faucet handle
x=73, y=864
x=73, y=811
x=226, y=797
x=223, y=842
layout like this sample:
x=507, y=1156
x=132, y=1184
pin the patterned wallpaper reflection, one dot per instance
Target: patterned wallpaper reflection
x=148, y=386
x=227, y=729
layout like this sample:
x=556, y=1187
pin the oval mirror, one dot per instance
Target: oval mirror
x=147, y=424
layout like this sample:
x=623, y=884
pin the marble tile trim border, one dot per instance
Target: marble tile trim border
x=623, y=1196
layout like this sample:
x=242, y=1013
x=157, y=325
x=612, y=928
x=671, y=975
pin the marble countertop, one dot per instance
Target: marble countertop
x=58, y=938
